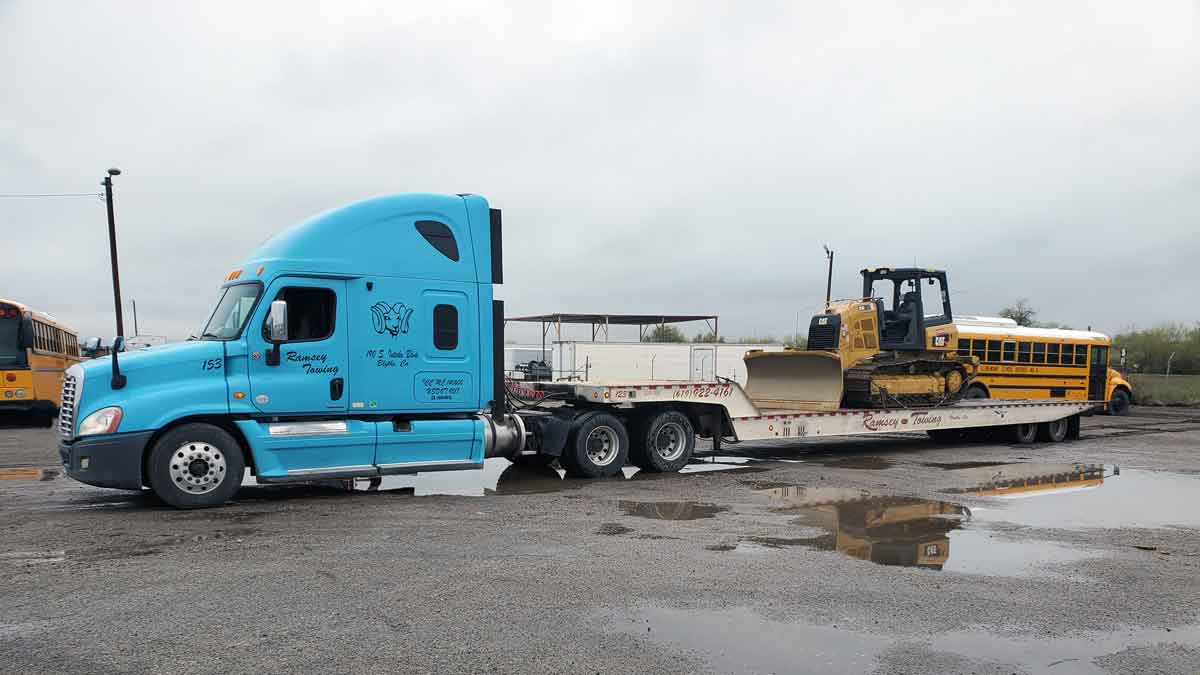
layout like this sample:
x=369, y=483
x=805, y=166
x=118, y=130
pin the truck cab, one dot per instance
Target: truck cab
x=360, y=342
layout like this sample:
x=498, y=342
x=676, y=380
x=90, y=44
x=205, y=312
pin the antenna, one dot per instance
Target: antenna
x=829, y=278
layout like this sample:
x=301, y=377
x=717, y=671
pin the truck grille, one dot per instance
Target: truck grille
x=66, y=411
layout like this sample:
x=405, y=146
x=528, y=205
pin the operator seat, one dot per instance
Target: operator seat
x=897, y=324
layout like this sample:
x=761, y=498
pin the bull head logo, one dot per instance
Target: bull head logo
x=390, y=319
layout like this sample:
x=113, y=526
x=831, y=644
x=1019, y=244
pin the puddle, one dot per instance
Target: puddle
x=1084, y=496
x=670, y=510
x=739, y=640
x=910, y=532
x=951, y=466
x=497, y=477
x=863, y=463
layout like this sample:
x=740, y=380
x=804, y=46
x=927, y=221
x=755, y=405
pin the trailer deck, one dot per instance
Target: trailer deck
x=749, y=422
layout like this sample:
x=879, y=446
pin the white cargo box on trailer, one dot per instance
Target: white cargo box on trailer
x=663, y=361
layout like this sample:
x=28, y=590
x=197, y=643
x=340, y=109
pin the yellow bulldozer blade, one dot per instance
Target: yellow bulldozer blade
x=794, y=380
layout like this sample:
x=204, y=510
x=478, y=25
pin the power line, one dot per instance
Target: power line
x=50, y=195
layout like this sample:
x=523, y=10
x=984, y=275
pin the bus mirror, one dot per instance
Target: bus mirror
x=278, y=321
x=118, y=344
x=26, y=332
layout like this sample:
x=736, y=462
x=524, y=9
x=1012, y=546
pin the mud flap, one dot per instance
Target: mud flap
x=799, y=380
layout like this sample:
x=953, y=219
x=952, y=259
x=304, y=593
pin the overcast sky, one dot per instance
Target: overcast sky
x=649, y=157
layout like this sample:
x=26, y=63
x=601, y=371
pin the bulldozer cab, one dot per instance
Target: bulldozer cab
x=910, y=301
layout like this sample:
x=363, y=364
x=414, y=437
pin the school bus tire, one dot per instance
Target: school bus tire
x=976, y=391
x=1119, y=405
x=195, y=466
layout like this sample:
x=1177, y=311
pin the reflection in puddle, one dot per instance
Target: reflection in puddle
x=1085, y=496
x=670, y=510
x=739, y=640
x=885, y=530
x=498, y=476
x=911, y=532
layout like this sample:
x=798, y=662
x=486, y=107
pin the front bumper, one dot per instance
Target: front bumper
x=106, y=461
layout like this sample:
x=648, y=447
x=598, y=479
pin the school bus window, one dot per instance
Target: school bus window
x=1052, y=353
x=1081, y=355
x=1010, y=351
x=964, y=346
x=993, y=351
x=1023, y=350
x=979, y=348
x=1068, y=354
x=1039, y=352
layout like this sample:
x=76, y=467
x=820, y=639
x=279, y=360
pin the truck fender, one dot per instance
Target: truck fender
x=554, y=431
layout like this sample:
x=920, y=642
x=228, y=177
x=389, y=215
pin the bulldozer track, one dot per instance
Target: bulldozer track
x=860, y=392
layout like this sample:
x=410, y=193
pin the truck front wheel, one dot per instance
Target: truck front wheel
x=663, y=443
x=195, y=466
x=597, y=448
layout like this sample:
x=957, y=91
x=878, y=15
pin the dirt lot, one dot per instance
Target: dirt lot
x=883, y=554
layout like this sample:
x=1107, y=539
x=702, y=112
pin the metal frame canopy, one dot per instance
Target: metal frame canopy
x=601, y=322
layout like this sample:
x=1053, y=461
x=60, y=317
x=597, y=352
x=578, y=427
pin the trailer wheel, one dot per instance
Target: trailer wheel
x=1024, y=433
x=1053, y=431
x=1073, y=428
x=597, y=448
x=195, y=466
x=976, y=391
x=663, y=443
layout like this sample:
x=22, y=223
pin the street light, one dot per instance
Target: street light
x=112, y=248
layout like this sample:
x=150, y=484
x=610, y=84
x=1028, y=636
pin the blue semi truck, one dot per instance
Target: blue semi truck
x=366, y=341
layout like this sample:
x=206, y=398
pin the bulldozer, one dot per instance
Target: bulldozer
x=894, y=347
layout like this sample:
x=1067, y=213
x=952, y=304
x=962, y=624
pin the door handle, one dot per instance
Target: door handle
x=335, y=388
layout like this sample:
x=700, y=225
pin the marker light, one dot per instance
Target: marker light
x=11, y=377
x=103, y=421
x=239, y=395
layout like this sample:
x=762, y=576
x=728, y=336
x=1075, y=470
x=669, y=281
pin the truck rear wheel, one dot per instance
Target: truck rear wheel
x=1053, y=431
x=1024, y=433
x=195, y=466
x=597, y=448
x=663, y=443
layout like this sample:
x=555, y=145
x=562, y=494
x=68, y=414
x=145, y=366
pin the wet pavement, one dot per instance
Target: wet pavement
x=888, y=555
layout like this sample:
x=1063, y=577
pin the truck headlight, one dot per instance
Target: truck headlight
x=103, y=421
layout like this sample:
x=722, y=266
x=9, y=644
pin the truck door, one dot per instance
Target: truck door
x=312, y=370
x=415, y=355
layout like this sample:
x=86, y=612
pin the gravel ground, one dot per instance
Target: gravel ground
x=707, y=571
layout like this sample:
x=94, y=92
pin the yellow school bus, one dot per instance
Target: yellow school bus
x=35, y=349
x=1023, y=362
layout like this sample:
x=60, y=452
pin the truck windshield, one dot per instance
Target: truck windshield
x=11, y=354
x=233, y=309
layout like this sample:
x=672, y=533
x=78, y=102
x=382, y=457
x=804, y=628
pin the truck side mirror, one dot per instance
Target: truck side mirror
x=278, y=321
x=277, y=329
x=27, y=332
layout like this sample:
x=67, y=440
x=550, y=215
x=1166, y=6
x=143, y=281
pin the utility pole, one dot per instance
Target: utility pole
x=112, y=248
x=1169, y=358
x=829, y=279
